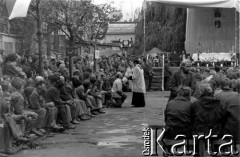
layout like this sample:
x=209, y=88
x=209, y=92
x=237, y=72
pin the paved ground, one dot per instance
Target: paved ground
x=118, y=133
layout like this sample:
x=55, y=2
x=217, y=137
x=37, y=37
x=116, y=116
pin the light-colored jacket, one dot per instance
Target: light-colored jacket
x=117, y=87
x=138, y=80
x=129, y=72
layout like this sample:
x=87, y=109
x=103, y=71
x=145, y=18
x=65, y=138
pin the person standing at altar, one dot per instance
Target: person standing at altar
x=138, y=87
x=148, y=73
x=183, y=55
x=175, y=59
x=167, y=74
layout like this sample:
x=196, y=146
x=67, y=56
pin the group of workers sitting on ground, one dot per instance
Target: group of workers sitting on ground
x=202, y=105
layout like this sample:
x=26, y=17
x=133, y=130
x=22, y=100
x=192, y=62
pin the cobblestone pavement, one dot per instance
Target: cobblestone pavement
x=118, y=133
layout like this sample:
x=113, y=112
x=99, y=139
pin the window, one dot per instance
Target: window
x=217, y=12
x=8, y=47
x=18, y=47
x=217, y=24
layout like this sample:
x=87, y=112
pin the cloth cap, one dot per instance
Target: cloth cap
x=119, y=74
x=39, y=78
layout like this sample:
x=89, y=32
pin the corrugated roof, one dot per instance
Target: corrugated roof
x=121, y=28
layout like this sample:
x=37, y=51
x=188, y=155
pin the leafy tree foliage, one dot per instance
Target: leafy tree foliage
x=80, y=21
x=165, y=28
x=102, y=15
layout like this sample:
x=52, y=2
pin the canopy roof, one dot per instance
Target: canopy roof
x=121, y=28
x=154, y=52
x=108, y=52
x=203, y=3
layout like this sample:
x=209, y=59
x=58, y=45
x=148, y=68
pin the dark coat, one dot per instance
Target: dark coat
x=167, y=70
x=81, y=94
x=177, y=80
x=18, y=103
x=53, y=95
x=232, y=124
x=225, y=95
x=147, y=69
x=66, y=92
x=178, y=116
x=13, y=71
x=36, y=101
x=35, y=67
x=207, y=113
x=106, y=85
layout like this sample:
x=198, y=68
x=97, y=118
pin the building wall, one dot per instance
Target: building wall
x=10, y=44
x=202, y=34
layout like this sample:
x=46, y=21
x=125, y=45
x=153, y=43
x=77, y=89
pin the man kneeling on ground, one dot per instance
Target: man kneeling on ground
x=117, y=93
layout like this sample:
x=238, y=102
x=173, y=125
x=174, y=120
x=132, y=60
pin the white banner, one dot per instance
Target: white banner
x=202, y=3
x=20, y=9
x=213, y=57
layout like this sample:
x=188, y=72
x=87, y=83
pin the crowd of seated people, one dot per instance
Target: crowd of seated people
x=34, y=106
x=213, y=105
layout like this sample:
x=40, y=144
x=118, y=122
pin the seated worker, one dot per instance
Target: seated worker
x=9, y=130
x=207, y=113
x=85, y=91
x=226, y=91
x=78, y=108
x=37, y=104
x=178, y=114
x=117, y=93
x=232, y=121
x=18, y=104
x=85, y=106
x=53, y=95
x=96, y=93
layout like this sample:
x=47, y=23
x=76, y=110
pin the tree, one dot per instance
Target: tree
x=81, y=21
x=25, y=28
x=165, y=28
x=102, y=15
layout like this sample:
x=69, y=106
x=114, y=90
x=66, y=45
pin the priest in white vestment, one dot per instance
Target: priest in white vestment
x=138, y=85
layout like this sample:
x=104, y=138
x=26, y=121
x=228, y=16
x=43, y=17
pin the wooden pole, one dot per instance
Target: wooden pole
x=94, y=55
x=144, y=27
x=237, y=58
x=163, y=64
x=39, y=35
x=70, y=64
x=236, y=34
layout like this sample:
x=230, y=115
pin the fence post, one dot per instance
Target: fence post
x=163, y=64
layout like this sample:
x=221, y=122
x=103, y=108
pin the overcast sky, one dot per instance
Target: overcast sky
x=128, y=7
